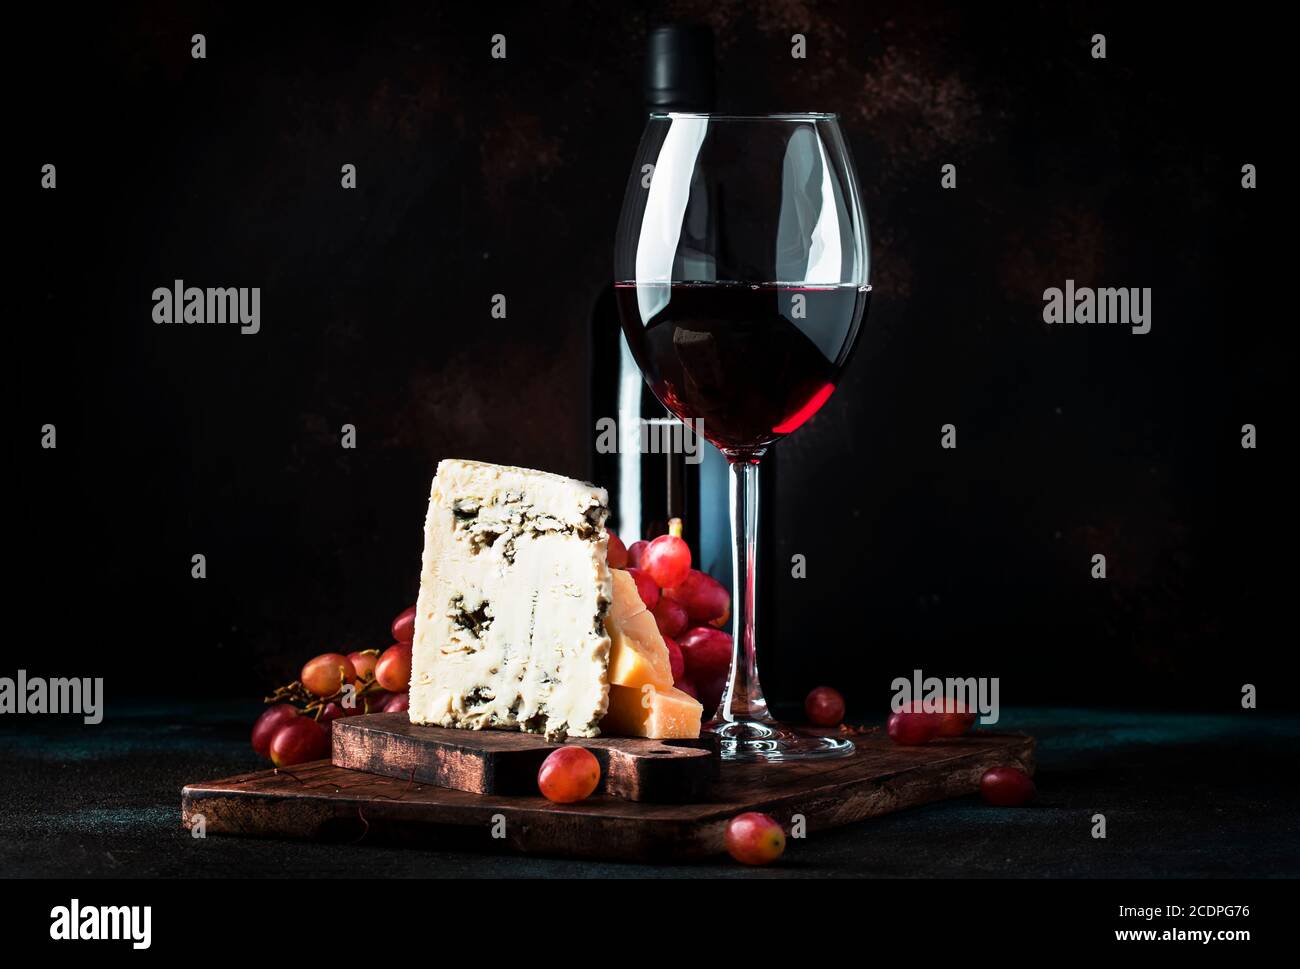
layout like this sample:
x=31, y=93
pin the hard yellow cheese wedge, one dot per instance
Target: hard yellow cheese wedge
x=667, y=714
x=627, y=601
x=637, y=653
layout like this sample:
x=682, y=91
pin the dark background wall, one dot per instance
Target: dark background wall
x=478, y=176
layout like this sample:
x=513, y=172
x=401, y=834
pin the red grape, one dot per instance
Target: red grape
x=667, y=561
x=329, y=713
x=271, y=720
x=669, y=616
x=949, y=720
x=363, y=662
x=707, y=652
x=617, y=551
x=375, y=702
x=909, y=729
x=324, y=675
x=397, y=703
x=676, y=661
x=393, y=671
x=645, y=587
x=300, y=739
x=687, y=687
x=704, y=598
x=824, y=706
x=754, y=838
x=568, y=774
x=954, y=720
x=634, y=553
x=404, y=625
x=1007, y=787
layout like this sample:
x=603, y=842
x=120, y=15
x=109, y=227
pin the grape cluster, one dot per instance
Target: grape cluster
x=296, y=727
x=914, y=725
x=688, y=605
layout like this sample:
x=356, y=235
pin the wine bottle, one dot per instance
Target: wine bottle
x=647, y=488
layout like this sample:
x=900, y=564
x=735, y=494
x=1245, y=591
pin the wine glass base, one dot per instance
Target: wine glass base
x=759, y=740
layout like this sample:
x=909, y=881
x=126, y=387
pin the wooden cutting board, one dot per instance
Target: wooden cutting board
x=322, y=802
x=507, y=761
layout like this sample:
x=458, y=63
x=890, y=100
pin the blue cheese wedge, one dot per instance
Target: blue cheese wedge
x=514, y=590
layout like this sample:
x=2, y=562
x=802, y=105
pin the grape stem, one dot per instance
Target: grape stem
x=297, y=695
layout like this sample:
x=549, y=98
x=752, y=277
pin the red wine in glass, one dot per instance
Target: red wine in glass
x=742, y=274
x=750, y=361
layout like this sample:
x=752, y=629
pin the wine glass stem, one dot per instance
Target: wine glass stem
x=743, y=698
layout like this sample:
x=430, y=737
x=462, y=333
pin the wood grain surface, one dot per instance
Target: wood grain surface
x=323, y=802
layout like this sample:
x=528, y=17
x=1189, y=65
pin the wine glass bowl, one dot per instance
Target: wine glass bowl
x=742, y=278
x=729, y=358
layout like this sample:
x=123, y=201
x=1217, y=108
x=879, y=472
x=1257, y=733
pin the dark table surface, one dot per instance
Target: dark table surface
x=1183, y=796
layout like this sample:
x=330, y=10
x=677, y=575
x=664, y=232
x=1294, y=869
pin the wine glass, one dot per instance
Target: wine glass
x=742, y=277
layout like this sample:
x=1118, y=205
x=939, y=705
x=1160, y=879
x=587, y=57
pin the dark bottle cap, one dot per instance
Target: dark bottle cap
x=679, y=68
